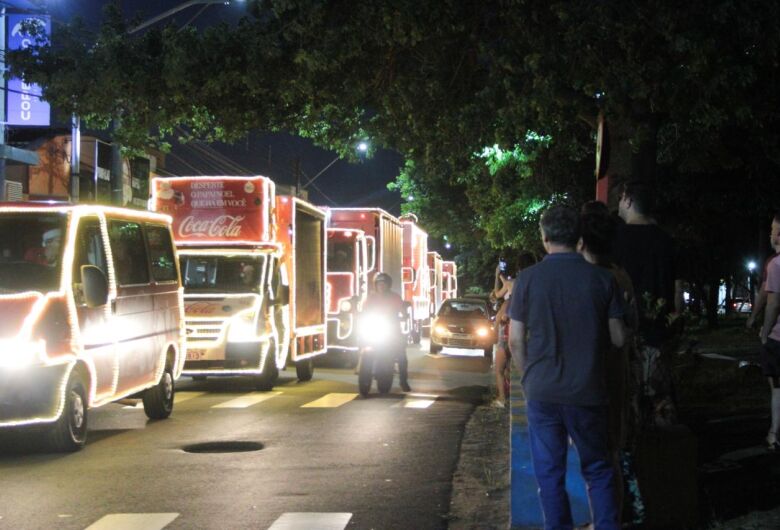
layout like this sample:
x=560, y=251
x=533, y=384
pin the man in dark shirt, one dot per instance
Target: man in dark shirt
x=647, y=253
x=564, y=311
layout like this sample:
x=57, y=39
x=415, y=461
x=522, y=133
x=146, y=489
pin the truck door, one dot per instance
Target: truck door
x=94, y=322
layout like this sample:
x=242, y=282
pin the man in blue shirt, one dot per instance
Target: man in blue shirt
x=564, y=313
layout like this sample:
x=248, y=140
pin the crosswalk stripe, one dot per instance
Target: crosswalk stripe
x=178, y=397
x=311, y=521
x=246, y=401
x=416, y=400
x=133, y=521
x=332, y=400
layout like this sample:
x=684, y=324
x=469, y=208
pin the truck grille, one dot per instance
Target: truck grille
x=204, y=331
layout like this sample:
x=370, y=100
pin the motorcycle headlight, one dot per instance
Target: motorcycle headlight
x=374, y=329
x=242, y=328
x=346, y=306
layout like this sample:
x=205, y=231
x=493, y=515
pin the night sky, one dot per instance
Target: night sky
x=272, y=155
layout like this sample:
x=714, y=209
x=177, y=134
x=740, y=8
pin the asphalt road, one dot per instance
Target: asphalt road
x=324, y=457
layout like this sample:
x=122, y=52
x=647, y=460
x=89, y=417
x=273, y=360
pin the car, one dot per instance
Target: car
x=741, y=305
x=464, y=323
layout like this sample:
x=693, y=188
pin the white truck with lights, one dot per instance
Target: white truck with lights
x=253, y=269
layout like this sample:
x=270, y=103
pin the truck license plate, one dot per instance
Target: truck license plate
x=195, y=354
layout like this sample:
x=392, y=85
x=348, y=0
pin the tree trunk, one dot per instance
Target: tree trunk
x=632, y=154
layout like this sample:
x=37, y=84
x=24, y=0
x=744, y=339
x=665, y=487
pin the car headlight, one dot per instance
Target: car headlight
x=346, y=306
x=242, y=327
x=482, y=332
x=17, y=354
x=440, y=330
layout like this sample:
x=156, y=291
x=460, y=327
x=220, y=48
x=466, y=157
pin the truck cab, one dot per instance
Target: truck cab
x=348, y=270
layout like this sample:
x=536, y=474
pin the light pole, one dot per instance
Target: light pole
x=751, y=267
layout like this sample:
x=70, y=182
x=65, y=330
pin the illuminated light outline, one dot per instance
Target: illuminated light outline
x=420, y=291
x=306, y=331
x=438, y=267
x=73, y=215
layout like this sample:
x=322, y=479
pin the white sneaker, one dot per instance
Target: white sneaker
x=497, y=404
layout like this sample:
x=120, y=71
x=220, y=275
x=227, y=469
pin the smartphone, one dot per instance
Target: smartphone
x=502, y=265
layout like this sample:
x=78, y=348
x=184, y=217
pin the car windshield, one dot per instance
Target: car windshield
x=455, y=308
x=341, y=256
x=222, y=274
x=31, y=249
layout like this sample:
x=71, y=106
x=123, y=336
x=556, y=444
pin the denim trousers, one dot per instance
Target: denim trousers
x=550, y=426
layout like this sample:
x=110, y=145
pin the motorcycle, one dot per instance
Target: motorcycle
x=380, y=340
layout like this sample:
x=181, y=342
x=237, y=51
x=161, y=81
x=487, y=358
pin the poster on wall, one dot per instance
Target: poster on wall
x=23, y=101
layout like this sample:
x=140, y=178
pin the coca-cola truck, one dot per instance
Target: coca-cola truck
x=415, y=278
x=435, y=280
x=347, y=286
x=449, y=272
x=253, y=271
x=384, y=239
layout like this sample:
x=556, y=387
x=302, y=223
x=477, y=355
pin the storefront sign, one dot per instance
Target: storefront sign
x=23, y=103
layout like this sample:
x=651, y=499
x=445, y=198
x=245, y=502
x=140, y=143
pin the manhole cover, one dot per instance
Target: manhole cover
x=223, y=447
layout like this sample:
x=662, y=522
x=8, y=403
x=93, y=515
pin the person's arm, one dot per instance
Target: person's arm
x=758, y=306
x=517, y=343
x=770, y=315
x=617, y=332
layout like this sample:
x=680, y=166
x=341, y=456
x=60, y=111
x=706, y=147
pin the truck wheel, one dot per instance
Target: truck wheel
x=435, y=348
x=304, y=370
x=267, y=379
x=158, y=400
x=69, y=432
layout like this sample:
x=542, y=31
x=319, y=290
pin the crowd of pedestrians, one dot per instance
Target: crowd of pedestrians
x=590, y=328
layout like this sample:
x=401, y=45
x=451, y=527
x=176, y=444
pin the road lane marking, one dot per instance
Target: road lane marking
x=178, y=397
x=415, y=400
x=246, y=401
x=332, y=400
x=311, y=521
x=133, y=521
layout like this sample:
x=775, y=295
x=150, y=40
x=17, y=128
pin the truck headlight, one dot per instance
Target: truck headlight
x=346, y=306
x=440, y=330
x=242, y=327
x=17, y=354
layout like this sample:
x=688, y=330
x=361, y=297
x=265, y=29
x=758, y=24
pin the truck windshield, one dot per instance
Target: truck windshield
x=222, y=274
x=341, y=256
x=31, y=248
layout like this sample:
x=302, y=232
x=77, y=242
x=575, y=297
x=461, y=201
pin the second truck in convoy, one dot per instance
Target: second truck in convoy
x=253, y=270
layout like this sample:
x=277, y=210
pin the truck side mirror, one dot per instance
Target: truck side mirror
x=95, y=286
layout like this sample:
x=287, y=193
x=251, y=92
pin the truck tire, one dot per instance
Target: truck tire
x=267, y=379
x=304, y=370
x=158, y=400
x=69, y=432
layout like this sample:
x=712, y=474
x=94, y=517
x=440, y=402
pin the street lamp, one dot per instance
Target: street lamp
x=751, y=266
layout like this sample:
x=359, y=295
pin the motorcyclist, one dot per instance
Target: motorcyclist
x=384, y=301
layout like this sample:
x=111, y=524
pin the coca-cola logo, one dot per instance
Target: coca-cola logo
x=222, y=226
x=201, y=308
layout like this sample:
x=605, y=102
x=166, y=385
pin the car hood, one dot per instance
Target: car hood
x=467, y=323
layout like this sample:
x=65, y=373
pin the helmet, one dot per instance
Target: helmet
x=384, y=277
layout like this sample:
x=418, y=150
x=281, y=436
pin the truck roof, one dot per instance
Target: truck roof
x=83, y=209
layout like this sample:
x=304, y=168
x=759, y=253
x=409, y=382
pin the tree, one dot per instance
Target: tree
x=689, y=91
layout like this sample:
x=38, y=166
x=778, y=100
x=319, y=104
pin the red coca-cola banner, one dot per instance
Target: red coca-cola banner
x=225, y=210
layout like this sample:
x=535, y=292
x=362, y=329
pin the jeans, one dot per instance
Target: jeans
x=550, y=426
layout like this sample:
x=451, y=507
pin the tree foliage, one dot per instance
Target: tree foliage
x=465, y=90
